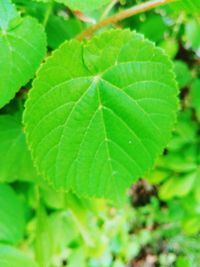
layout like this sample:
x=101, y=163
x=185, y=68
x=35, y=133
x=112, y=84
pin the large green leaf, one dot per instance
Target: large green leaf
x=11, y=257
x=15, y=159
x=22, y=48
x=100, y=112
x=12, y=217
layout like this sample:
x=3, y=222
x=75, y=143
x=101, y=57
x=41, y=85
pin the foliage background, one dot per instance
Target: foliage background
x=160, y=222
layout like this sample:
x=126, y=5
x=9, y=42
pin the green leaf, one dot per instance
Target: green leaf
x=182, y=262
x=183, y=74
x=153, y=28
x=7, y=14
x=15, y=158
x=12, y=217
x=10, y=256
x=43, y=241
x=197, y=187
x=170, y=46
x=190, y=6
x=195, y=97
x=22, y=48
x=58, y=30
x=192, y=33
x=85, y=6
x=191, y=225
x=100, y=112
x=177, y=186
x=184, y=135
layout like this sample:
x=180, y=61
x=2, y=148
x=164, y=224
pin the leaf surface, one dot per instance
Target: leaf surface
x=7, y=14
x=10, y=256
x=100, y=112
x=195, y=97
x=15, y=158
x=85, y=6
x=12, y=219
x=190, y=6
x=59, y=30
x=22, y=48
x=177, y=186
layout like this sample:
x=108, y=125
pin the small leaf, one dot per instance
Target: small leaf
x=100, y=112
x=191, y=225
x=192, y=34
x=16, y=163
x=10, y=256
x=195, y=97
x=22, y=48
x=183, y=74
x=12, y=219
x=177, y=186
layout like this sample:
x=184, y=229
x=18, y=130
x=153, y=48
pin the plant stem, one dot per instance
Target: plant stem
x=108, y=9
x=122, y=15
x=48, y=13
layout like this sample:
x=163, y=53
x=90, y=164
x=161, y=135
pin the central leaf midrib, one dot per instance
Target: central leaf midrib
x=104, y=127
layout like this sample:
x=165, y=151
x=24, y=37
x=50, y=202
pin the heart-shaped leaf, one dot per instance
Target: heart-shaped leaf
x=22, y=48
x=100, y=112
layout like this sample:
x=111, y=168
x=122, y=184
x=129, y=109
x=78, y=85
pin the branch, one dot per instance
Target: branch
x=122, y=15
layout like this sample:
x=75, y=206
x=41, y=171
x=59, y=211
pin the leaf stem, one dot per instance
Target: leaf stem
x=122, y=15
x=108, y=9
x=48, y=13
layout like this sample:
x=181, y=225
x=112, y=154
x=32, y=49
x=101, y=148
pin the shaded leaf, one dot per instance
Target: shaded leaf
x=58, y=30
x=15, y=159
x=12, y=219
x=195, y=96
x=183, y=74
